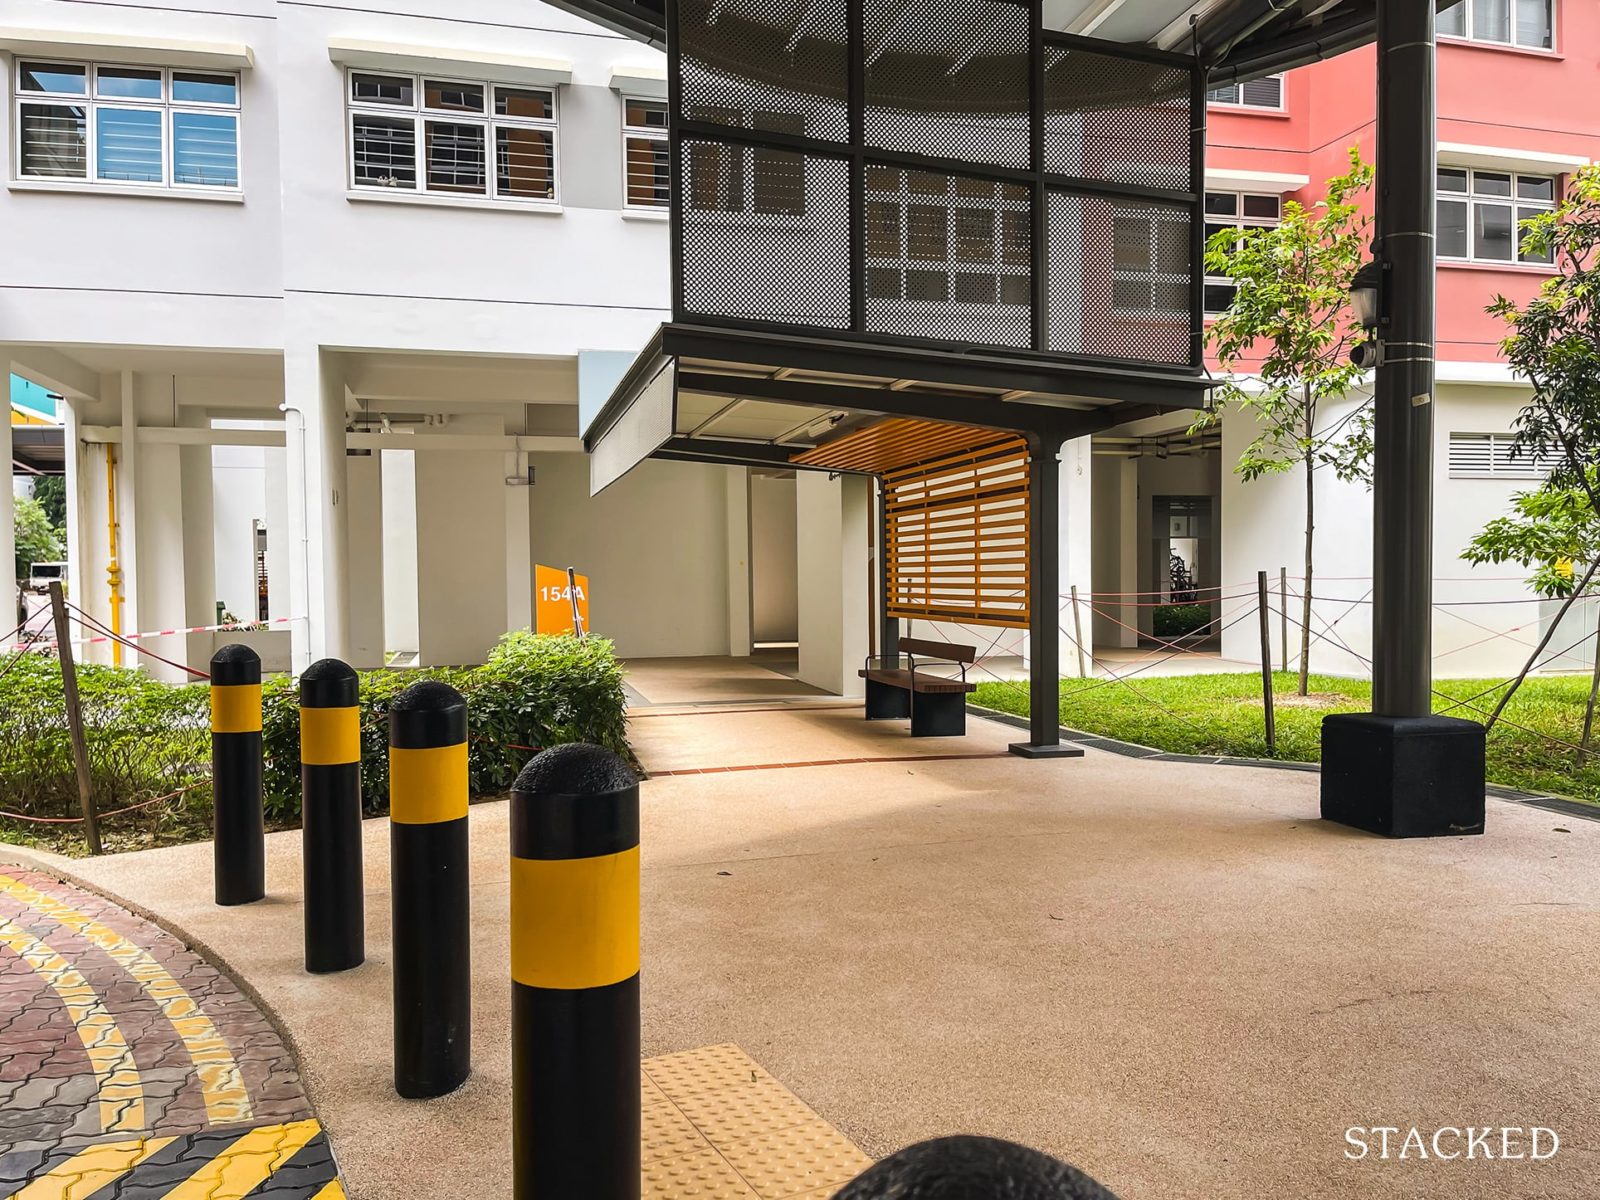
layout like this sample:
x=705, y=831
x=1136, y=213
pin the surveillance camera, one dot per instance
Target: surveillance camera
x=1367, y=354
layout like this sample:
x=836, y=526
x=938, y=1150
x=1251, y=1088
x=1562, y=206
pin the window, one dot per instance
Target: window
x=1481, y=213
x=1488, y=456
x=726, y=177
x=448, y=137
x=645, y=166
x=1237, y=211
x=943, y=238
x=1526, y=23
x=146, y=126
x=1258, y=93
x=1150, y=259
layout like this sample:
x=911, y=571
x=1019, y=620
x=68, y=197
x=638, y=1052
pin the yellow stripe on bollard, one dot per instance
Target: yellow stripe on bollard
x=427, y=785
x=330, y=737
x=236, y=708
x=576, y=920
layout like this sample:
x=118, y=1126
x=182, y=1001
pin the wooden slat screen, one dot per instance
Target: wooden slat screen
x=958, y=535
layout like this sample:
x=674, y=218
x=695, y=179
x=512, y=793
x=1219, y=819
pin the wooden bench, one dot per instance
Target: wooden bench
x=936, y=704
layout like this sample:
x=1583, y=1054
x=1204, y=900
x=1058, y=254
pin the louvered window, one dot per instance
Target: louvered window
x=1489, y=455
x=1257, y=93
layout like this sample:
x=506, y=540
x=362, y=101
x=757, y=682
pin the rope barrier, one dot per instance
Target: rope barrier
x=102, y=816
x=85, y=621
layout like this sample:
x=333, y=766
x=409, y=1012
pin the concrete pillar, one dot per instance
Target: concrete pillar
x=739, y=632
x=78, y=578
x=834, y=551
x=8, y=547
x=519, y=544
x=365, y=560
x=461, y=546
x=399, y=482
x=1076, y=540
x=199, y=539
x=127, y=524
x=315, y=443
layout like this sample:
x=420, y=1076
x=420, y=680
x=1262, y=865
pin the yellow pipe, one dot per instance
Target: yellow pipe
x=113, y=571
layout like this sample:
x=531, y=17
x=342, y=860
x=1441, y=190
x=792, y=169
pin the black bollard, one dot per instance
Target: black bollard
x=575, y=1112
x=330, y=817
x=239, y=848
x=958, y=1168
x=428, y=887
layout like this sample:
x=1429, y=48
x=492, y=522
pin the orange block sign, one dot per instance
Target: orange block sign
x=552, y=600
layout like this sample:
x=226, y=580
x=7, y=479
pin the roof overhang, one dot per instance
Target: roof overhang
x=38, y=450
x=704, y=393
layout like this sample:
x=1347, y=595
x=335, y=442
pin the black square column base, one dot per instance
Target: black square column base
x=1051, y=750
x=1403, y=777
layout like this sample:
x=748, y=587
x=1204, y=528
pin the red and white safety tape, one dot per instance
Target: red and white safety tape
x=154, y=633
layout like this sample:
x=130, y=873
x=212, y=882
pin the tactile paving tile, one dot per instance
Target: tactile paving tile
x=718, y=1125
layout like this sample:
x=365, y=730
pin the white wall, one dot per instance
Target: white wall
x=400, y=583
x=461, y=543
x=774, y=565
x=652, y=545
x=239, y=496
x=365, y=490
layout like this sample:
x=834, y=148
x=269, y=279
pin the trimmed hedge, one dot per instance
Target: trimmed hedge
x=1177, y=620
x=535, y=691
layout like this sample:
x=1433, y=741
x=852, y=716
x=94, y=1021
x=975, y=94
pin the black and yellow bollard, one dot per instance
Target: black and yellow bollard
x=238, y=829
x=330, y=819
x=575, y=976
x=428, y=886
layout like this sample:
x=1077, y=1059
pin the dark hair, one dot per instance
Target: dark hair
x=972, y=1168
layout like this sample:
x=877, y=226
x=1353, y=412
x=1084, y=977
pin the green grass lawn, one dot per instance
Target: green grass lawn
x=1221, y=714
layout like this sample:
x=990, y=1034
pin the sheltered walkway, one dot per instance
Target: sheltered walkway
x=1172, y=975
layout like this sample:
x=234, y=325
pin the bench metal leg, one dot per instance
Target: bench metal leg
x=939, y=714
x=886, y=702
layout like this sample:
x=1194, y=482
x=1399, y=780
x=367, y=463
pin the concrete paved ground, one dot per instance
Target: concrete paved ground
x=1172, y=975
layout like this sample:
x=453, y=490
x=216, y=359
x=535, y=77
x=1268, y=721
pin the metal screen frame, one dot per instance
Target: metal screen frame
x=1039, y=183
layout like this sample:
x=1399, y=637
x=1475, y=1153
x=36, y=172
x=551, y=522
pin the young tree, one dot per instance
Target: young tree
x=51, y=491
x=37, y=539
x=1553, y=344
x=1291, y=309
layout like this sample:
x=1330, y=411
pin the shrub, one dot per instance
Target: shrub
x=535, y=691
x=1177, y=620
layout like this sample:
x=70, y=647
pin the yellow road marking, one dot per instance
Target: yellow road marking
x=246, y=1164
x=227, y=1101
x=116, y=1073
x=82, y=1175
x=333, y=1191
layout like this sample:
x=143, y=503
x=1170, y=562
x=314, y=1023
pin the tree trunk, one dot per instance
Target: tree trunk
x=1305, y=600
x=1594, y=691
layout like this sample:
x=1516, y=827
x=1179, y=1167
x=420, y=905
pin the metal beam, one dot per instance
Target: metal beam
x=735, y=454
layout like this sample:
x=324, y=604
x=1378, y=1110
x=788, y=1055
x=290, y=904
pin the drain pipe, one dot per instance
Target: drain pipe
x=113, y=568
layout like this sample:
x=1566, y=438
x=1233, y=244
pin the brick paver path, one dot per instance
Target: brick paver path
x=130, y=1068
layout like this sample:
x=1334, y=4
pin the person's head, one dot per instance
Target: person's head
x=972, y=1168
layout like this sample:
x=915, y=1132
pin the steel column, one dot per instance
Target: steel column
x=1044, y=608
x=1402, y=609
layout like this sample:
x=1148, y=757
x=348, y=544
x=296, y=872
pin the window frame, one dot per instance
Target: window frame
x=1472, y=199
x=630, y=132
x=1501, y=464
x=92, y=102
x=419, y=115
x=1240, y=222
x=1468, y=38
x=1239, y=105
x=1152, y=217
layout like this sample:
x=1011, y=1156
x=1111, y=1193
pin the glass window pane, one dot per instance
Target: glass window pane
x=1452, y=180
x=1131, y=293
x=883, y=229
x=1534, y=27
x=525, y=165
x=205, y=149
x=52, y=77
x=128, y=83
x=1219, y=296
x=1223, y=204
x=1171, y=295
x=883, y=179
x=54, y=141
x=1492, y=232
x=1261, y=206
x=1453, y=20
x=644, y=114
x=1227, y=94
x=1131, y=237
x=190, y=88
x=382, y=89
x=1523, y=252
x=927, y=285
x=778, y=182
x=927, y=232
x=128, y=144
x=1016, y=239
x=452, y=97
x=1453, y=229
x=1486, y=183
x=1172, y=247
x=647, y=171
x=883, y=283
x=1016, y=289
x=927, y=183
x=974, y=287
x=1531, y=187
x=456, y=158
x=384, y=151
x=521, y=102
x=974, y=235
x=1491, y=20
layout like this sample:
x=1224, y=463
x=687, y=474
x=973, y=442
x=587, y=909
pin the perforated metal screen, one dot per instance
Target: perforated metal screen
x=884, y=179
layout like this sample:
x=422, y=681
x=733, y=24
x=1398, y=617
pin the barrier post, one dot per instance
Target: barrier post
x=239, y=847
x=575, y=1111
x=1265, y=613
x=428, y=887
x=330, y=818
